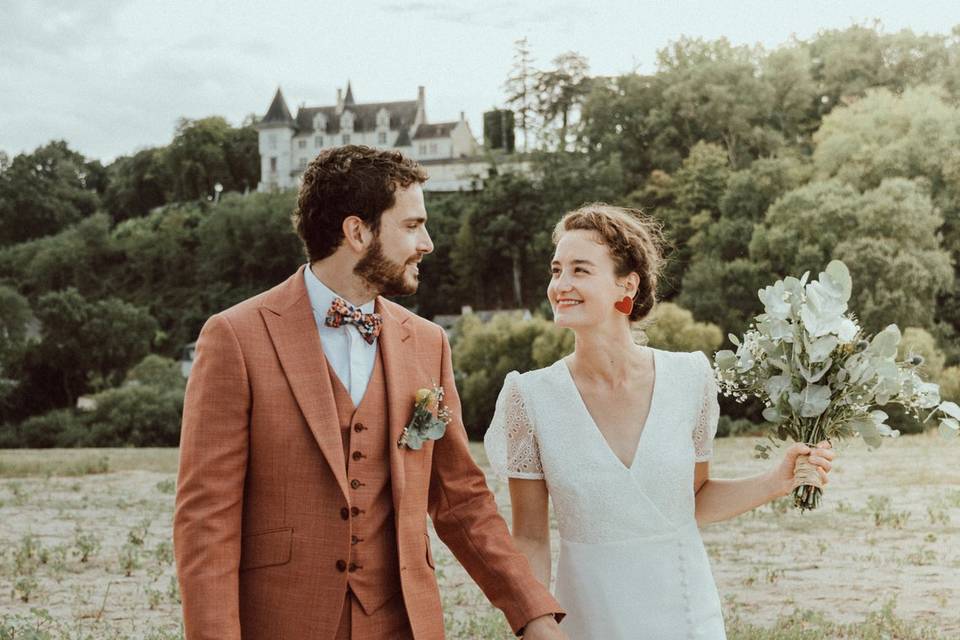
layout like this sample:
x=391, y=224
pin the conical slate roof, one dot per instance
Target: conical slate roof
x=348, y=99
x=278, y=113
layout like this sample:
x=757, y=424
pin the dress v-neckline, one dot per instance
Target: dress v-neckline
x=603, y=440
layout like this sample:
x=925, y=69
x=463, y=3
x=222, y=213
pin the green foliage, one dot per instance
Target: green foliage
x=137, y=415
x=672, y=328
x=485, y=353
x=158, y=371
x=44, y=192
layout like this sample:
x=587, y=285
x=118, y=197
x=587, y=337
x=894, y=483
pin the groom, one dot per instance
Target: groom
x=298, y=514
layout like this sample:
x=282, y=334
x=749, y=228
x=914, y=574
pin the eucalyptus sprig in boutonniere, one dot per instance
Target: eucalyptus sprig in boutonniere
x=424, y=425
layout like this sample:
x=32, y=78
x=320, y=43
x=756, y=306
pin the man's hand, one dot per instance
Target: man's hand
x=543, y=628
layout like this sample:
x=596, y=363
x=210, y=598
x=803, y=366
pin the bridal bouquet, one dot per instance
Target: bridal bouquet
x=820, y=377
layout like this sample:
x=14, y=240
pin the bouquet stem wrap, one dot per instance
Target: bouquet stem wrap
x=807, y=484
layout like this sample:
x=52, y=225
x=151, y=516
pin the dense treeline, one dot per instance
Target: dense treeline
x=759, y=164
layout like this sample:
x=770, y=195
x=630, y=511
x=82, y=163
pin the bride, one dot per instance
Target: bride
x=620, y=437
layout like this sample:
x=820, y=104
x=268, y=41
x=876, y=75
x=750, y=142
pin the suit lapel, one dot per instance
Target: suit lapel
x=395, y=345
x=293, y=330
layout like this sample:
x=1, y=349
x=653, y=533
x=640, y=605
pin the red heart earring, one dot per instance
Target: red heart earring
x=625, y=306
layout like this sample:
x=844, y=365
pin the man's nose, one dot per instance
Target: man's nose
x=426, y=244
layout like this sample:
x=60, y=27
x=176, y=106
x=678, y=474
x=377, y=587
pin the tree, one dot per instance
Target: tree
x=138, y=183
x=86, y=345
x=207, y=151
x=560, y=91
x=14, y=325
x=673, y=328
x=520, y=87
x=886, y=237
x=714, y=93
x=887, y=135
x=43, y=192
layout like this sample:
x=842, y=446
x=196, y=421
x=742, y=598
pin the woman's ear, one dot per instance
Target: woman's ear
x=631, y=284
x=356, y=233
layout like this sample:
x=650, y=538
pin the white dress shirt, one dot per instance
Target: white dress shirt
x=349, y=355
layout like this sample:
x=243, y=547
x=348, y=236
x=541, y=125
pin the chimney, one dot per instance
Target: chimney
x=421, y=107
x=462, y=117
x=339, y=100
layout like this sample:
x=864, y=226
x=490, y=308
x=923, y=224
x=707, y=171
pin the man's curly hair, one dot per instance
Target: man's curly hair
x=351, y=180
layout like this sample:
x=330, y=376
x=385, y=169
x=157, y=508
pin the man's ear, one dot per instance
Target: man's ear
x=356, y=233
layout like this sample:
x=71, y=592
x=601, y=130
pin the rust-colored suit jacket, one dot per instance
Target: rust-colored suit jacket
x=263, y=504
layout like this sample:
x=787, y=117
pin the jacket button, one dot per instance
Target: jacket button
x=345, y=513
x=358, y=427
x=341, y=566
x=357, y=455
x=355, y=483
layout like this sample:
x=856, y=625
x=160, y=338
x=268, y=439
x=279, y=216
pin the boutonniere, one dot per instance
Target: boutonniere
x=424, y=425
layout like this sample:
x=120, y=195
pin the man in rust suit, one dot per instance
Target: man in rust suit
x=299, y=516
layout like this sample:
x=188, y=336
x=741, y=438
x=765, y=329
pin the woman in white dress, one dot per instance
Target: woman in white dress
x=620, y=437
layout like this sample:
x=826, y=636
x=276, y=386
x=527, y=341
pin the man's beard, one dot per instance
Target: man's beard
x=384, y=275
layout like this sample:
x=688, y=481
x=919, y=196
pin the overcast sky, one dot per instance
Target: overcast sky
x=112, y=77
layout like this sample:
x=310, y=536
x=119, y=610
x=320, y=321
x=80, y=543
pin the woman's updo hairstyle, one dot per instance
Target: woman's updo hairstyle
x=635, y=242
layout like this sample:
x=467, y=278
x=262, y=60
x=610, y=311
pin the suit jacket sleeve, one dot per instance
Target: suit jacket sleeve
x=213, y=462
x=465, y=517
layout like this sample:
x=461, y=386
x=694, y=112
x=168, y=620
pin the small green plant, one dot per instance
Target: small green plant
x=167, y=486
x=129, y=558
x=138, y=533
x=85, y=545
x=883, y=515
x=25, y=587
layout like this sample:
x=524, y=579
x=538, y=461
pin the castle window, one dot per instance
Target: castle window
x=433, y=148
x=318, y=141
x=382, y=137
x=302, y=144
x=346, y=138
x=422, y=149
x=272, y=139
x=273, y=165
x=303, y=163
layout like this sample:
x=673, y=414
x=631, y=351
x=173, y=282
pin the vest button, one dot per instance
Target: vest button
x=358, y=427
x=354, y=539
x=354, y=566
x=345, y=513
x=341, y=566
x=355, y=511
x=355, y=484
x=357, y=455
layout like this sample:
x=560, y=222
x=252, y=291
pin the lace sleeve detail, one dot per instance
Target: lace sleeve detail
x=510, y=442
x=708, y=415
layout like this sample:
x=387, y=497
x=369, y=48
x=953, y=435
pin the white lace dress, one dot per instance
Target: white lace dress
x=632, y=564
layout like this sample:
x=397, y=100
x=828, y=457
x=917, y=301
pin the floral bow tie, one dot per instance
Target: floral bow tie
x=342, y=312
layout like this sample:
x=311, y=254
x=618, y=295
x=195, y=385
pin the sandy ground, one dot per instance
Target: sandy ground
x=850, y=558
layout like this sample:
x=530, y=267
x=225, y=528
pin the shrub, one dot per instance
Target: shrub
x=136, y=415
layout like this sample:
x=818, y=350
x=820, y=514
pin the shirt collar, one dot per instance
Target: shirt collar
x=322, y=296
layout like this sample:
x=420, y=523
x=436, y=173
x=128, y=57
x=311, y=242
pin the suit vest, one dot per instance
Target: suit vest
x=374, y=568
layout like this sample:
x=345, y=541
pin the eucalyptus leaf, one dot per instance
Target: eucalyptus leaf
x=725, y=359
x=951, y=409
x=772, y=414
x=820, y=349
x=949, y=428
x=815, y=400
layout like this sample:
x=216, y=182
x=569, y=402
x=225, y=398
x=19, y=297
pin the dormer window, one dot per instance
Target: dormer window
x=320, y=122
x=346, y=121
x=383, y=119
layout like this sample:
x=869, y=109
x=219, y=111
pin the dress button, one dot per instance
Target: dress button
x=358, y=427
x=341, y=566
x=357, y=455
x=345, y=513
x=355, y=484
